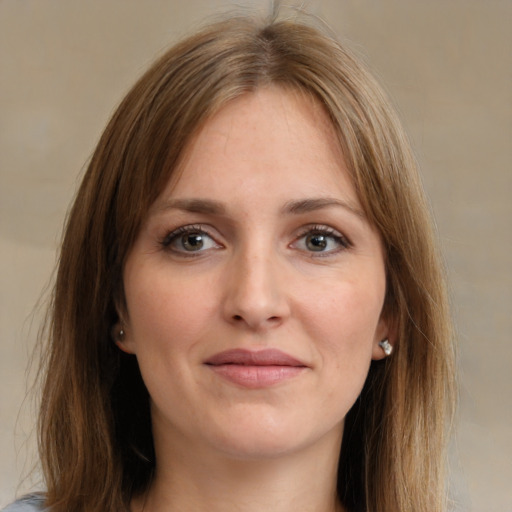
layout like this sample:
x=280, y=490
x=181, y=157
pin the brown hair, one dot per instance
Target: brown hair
x=95, y=430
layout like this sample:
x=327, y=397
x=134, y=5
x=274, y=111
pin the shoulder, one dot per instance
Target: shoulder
x=30, y=503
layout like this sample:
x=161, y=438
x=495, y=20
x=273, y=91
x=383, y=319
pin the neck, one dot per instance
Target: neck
x=185, y=481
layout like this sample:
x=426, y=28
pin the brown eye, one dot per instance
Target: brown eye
x=192, y=241
x=322, y=240
x=189, y=239
x=316, y=242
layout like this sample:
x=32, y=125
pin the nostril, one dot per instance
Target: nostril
x=240, y=318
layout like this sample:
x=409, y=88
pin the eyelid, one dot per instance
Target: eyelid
x=342, y=240
x=180, y=230
x=326, y=230
x=172, y=235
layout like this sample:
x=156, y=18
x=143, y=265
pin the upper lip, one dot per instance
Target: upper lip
x=266, y=357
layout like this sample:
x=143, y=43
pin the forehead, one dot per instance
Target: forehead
x=276, y=138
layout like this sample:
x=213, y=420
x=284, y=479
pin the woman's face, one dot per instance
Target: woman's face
x=254, y=290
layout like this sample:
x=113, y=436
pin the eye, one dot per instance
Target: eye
x=189, y=239
x=321, y=239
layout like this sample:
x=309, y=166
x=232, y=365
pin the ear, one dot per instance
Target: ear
x=120, y=332
x=121, y=337
x=386, y=330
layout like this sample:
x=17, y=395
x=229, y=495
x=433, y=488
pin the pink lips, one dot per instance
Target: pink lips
x=257, y=369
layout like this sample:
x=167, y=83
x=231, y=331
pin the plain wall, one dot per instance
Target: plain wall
x=447, y=65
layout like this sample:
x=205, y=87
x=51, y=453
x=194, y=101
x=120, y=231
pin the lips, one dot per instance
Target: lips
x=268, y=357
x=255, y=369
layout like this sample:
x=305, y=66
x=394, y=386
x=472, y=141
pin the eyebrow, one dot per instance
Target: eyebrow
x=207, y=206
x=313, y=204
x=301, y=206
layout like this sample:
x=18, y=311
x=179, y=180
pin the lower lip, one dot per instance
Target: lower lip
x=255, y=377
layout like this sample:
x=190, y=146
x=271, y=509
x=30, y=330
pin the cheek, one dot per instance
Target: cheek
x=343, y=320
x=166, y=321
x=344, y=324
x=165, y=312
x=349, y=311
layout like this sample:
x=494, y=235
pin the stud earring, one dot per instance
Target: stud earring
x=386, y=346
x=117, y=333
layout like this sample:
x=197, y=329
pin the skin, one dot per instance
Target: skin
x=272, y=182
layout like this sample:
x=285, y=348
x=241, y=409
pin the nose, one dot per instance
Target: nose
x=255, y=292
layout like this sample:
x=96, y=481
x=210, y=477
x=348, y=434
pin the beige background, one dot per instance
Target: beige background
x=447, y=64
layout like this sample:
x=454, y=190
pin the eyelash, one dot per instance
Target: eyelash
x=322, y=230
x=183, y=230
x=317, y=229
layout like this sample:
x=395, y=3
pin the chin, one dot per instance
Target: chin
x=260, y=448
x=269, y=438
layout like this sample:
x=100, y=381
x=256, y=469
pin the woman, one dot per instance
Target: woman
x=249, y=311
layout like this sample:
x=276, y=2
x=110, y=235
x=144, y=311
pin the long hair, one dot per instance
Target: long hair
x=95, y=435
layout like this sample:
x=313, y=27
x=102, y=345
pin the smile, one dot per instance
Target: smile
x=255, y=370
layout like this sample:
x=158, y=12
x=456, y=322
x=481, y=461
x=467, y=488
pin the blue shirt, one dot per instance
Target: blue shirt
x=29, y=503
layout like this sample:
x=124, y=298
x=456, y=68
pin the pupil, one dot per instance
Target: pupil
x=192, y=242
x=316, y=242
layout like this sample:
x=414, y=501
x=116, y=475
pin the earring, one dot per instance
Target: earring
x=117, y=333
x=386, y=346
